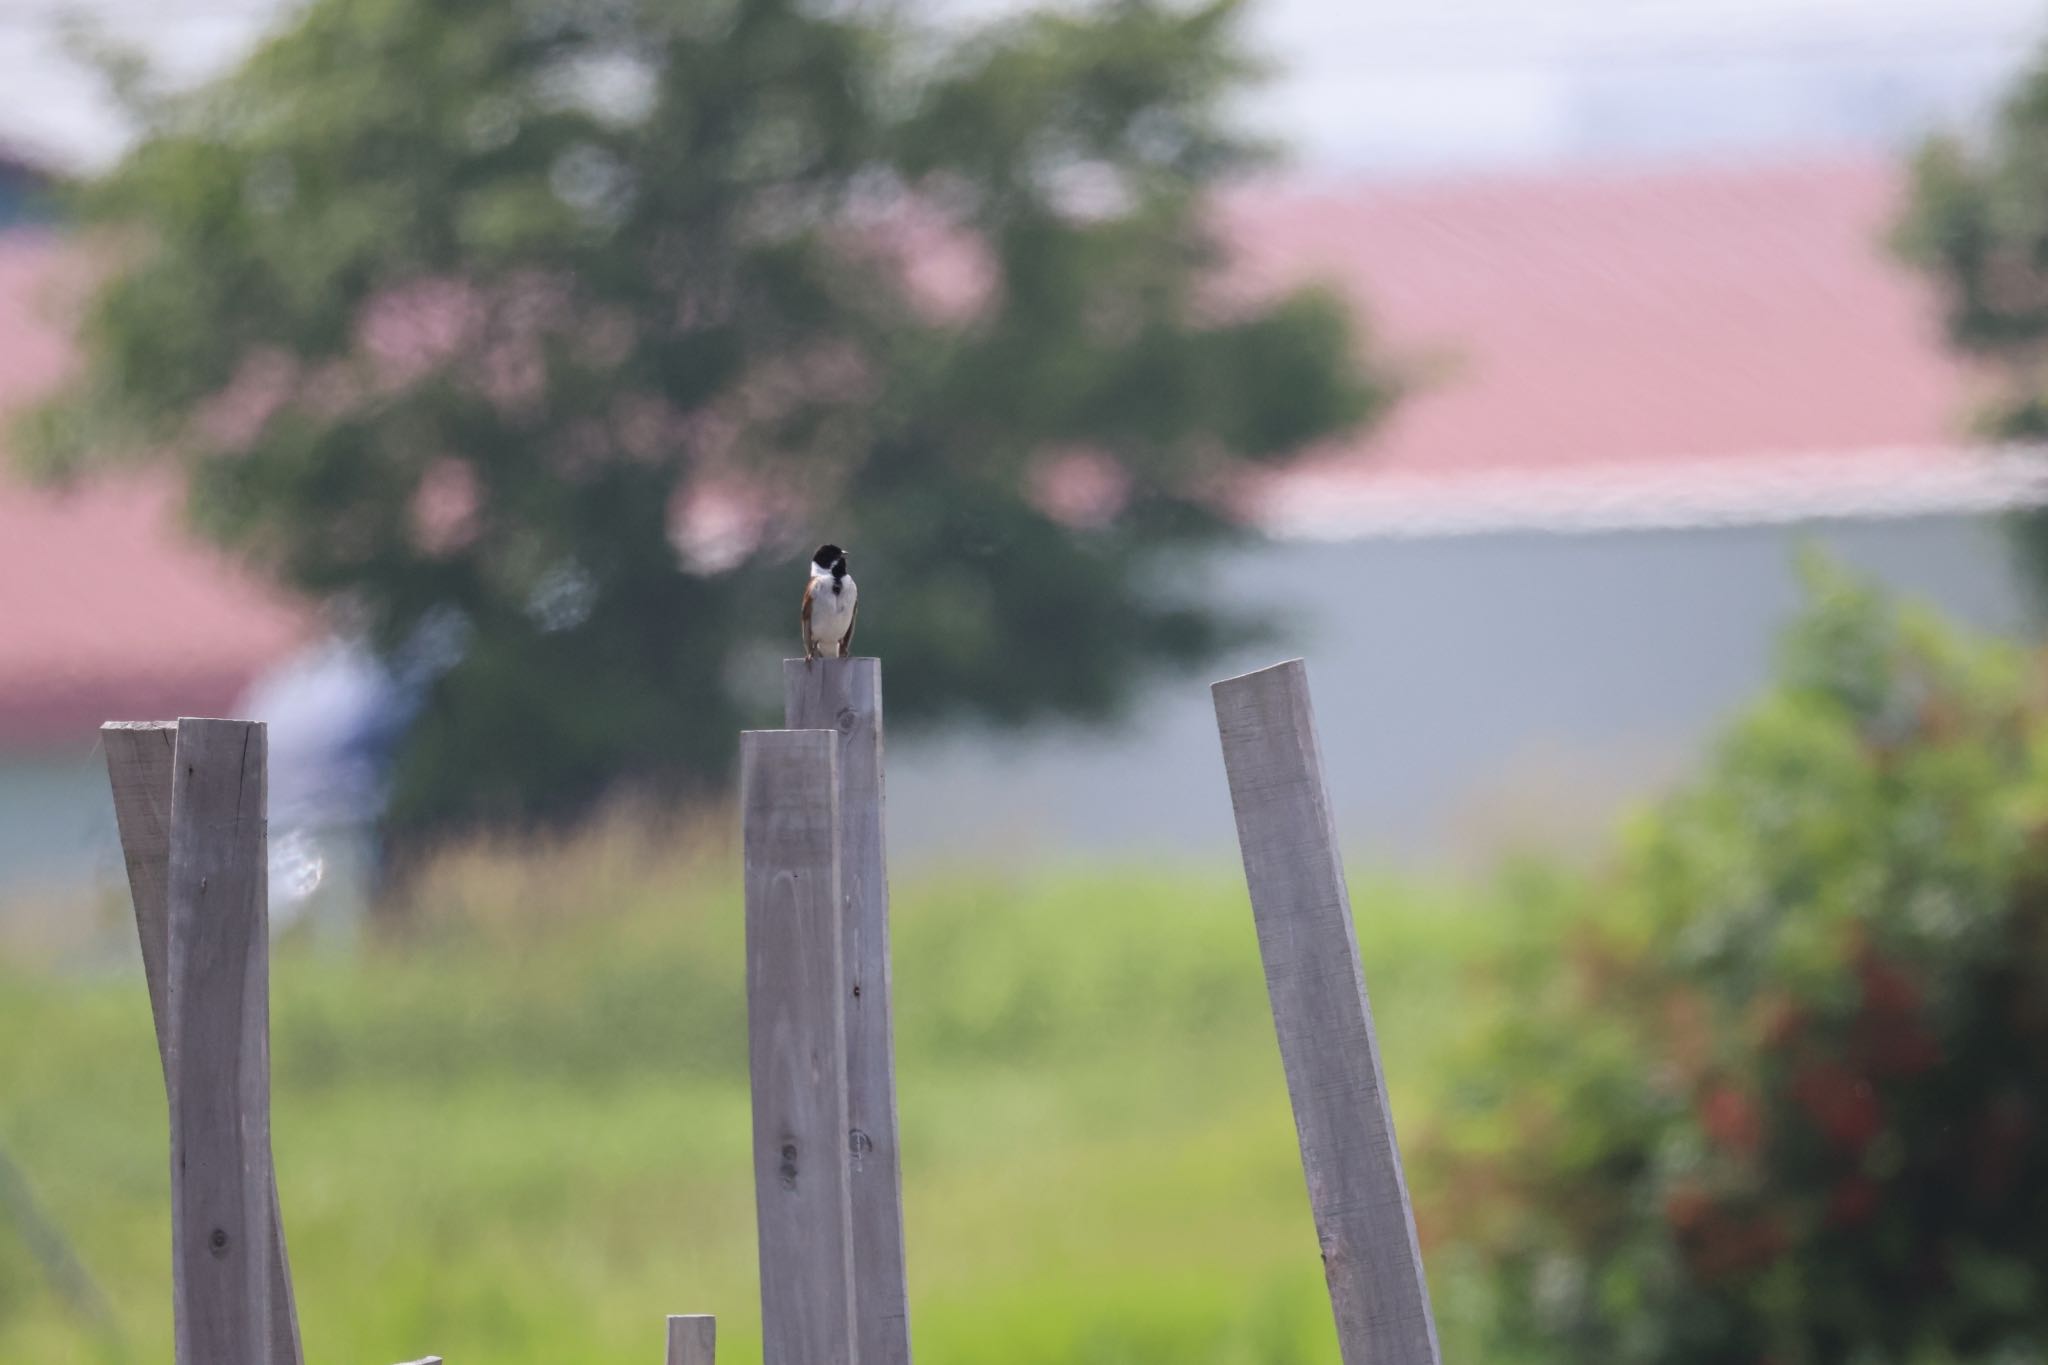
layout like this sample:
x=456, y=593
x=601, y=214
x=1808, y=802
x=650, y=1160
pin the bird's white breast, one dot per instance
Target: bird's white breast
x=832, y=612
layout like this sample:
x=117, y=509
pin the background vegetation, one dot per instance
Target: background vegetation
x=544, y=341
x=1767, y=1088
x=1794, y=1053
x=521, y=1134
x=1976, y=226
x=451, y=315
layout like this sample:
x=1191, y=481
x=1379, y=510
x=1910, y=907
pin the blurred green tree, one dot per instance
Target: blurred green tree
x=1976, y=223
x=569, y=328
x=1777, y=1090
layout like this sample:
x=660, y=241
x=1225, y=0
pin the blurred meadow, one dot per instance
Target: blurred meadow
x=1766, y=1081
x=518, y=1130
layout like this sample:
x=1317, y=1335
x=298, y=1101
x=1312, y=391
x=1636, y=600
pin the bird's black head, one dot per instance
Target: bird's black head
x=831, y=559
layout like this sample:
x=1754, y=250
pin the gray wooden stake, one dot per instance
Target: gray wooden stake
x=1356, y=1190
x=223, y=1190
x=692, y=1339
x=140, y=755
x=797, y=1044
x=845, y=696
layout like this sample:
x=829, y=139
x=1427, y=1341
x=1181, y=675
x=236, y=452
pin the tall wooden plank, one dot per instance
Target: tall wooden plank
x=692, y=1339
x=845, y=697
x=140, y=755
x=797, y=1044
x=222, y=1217
x=1356, y=1189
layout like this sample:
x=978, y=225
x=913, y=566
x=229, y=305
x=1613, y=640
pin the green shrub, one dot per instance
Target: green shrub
x=1778, y=1094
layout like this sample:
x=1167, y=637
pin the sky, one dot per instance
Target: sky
x=1390, y=86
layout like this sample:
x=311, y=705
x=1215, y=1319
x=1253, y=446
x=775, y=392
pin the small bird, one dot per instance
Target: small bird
x=830, y=601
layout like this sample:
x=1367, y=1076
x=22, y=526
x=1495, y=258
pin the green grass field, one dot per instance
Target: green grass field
x=518, y=1133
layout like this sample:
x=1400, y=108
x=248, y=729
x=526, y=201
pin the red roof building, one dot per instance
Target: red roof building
x=1601, y=349
x=106, y=609
x=1667, y=348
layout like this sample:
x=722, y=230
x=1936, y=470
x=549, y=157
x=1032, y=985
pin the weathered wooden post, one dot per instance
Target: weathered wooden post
x=139, y=758
x=845, y=697
x=796, y=1039
x=223, y=1200
x=190, y=804
x=1356, y=1189
x=692, y=1339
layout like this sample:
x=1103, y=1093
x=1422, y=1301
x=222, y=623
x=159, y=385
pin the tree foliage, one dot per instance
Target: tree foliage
x=1782, y=1096
x=564, y=330
x=1977, y=225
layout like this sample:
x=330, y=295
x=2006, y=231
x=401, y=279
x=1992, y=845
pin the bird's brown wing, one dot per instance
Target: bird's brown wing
x=810, y=649
x=846, y=640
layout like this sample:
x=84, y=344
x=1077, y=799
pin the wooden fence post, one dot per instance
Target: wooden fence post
x=845, y=697
x=140, y=758
x=224, y=1227
x=1357, y=1192
x=796, y=1039
x=692, y=1339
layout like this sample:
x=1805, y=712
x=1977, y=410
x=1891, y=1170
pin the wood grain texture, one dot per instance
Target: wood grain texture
x=797, y=1044
x=1303, y=911
x=139, y=757
x=845, y=697
x=230, y=1282
x=692, y=1339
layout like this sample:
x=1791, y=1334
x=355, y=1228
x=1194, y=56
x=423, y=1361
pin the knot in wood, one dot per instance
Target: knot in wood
x=859, y=1144
x=847, y=720
x=788, y=1171
x=217, y=1241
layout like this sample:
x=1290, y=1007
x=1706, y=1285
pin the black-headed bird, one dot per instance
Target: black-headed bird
x=830, y=601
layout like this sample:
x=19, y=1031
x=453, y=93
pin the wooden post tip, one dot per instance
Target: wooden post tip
x=1284, y=666
x=692, y=1339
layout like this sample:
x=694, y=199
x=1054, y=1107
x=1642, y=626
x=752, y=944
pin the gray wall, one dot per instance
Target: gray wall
x=56, y=836
x=1485, y=692
x=55, y=819
x=1481, y=693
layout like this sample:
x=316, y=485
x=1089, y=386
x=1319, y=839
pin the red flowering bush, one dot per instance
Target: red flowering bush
x=1781, y=1092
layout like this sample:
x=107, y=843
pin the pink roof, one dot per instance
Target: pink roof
x=1660, y=338
x=106, y=611
x=33, y=353
x=1592, y=349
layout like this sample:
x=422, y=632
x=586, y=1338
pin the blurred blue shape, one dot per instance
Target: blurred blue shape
x=337, y=714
